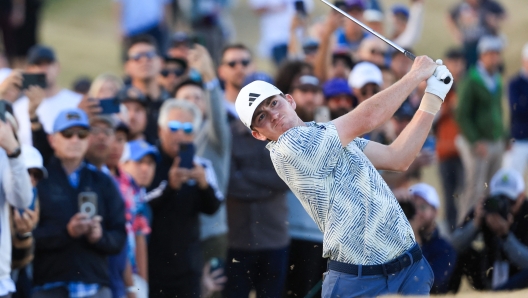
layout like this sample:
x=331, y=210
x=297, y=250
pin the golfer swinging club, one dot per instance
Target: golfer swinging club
x=367, y=238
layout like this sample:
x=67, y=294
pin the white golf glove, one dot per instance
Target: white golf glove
x=435, y=84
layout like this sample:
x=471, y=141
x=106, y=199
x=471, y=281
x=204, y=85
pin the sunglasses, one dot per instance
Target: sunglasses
x=106, y=131
x=244, y=62
x=187, y=127
x=372, y=90
x=177, y=72
x=138, y=56
x=80, y=133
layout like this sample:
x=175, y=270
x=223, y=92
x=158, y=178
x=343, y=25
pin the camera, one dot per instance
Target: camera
x=498, y=204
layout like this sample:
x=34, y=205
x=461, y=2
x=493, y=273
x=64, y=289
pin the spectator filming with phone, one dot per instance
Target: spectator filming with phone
x=82, y=217
x=184, y=186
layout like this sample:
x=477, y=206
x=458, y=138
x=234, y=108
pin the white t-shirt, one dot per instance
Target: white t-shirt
x=275, y=25
x=139, y=15
x=47, y=112
x=338, y=186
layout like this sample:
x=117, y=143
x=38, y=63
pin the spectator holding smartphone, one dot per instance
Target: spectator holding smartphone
x=82, y=218
x=16, y=191
x=183, y=187
x=33, y=109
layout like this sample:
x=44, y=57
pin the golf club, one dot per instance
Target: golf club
x=392, y=44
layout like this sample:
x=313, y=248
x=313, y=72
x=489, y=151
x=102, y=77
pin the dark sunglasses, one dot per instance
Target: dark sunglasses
x=138, y=56
x=177, y=72
x=187, y=127
x=80, y=133
x=244, y=62
x=365, y=90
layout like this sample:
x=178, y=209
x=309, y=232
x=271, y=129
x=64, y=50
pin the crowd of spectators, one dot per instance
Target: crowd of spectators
x=149, y=185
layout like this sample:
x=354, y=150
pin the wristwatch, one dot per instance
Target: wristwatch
x=15, y=153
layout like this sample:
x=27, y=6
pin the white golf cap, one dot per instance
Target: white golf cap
x=33, y=159
x=364, y=73
x=490, y=43
x=250, y=98
x=426, y=192
x=508, y=182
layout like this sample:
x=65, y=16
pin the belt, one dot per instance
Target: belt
x=391, y=267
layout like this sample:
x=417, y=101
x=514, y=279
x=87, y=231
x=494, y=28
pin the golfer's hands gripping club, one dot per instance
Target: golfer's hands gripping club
x=436, y=83
x=436, y=89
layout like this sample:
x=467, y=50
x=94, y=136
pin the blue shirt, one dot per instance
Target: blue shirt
x=442, y=258
x=518, y=99
x=343, y=42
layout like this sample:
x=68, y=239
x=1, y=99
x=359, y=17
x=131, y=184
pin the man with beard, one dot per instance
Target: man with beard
x=234, y=67
x=339, y=98
x=308, y=97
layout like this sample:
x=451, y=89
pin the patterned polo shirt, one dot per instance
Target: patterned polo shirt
x=344, y=194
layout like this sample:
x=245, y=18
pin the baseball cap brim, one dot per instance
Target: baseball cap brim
x=250, y=97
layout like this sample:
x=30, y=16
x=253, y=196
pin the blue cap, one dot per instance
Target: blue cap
x=400, y=9
x=70, y=118
x=358, y=4
x=40, y=54
x=136, y=150
x=336, y=87
x=258, y=76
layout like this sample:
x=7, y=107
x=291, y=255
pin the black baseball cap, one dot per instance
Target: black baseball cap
x=130, y=93
x=455, y=53
x=39, y=54
x=405, y=111
x=182, y=62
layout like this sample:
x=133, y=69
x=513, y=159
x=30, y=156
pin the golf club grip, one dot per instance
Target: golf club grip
x=412, y=57
x=409, y=55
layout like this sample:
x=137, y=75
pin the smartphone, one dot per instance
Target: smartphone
x=88, y=203
x=300, y=8
x=2, y=110
x=216, y=264
x=187, y=155
x=34, y=79
x=109, y=105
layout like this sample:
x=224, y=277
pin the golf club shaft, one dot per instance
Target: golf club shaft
x=389, y=42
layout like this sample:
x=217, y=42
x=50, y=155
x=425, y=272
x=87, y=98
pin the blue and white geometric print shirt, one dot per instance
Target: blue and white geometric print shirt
x=344, y=194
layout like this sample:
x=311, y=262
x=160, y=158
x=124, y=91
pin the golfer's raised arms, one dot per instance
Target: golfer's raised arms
x=379, y=108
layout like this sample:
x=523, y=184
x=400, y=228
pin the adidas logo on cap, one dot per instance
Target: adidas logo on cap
x=253, y=97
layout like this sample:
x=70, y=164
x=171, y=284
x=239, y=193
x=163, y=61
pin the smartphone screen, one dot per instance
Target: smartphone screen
x=299, y=7
x=187, y=156
x=34, y=79
x=88, y=203
x=109, y=105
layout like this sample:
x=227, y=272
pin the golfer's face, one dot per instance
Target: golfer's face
x=273, y=117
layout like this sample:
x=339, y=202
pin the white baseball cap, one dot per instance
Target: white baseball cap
x=33, y=159
x=426, y=192
x=364, y=73
x=508, y=182
x=250, y=98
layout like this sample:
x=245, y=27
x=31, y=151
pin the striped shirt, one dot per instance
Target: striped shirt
x=344, y=194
